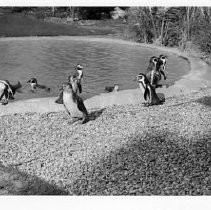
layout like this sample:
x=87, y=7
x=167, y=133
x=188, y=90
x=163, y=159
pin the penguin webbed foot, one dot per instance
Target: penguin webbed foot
x=4, y=102
x=74, y=120
x=84, y=120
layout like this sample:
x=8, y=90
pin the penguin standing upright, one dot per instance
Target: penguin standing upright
x=74, y=82
x=73, y=103
x=161, y=65
x=79, y=76
x=148, y=90
x=152, y=73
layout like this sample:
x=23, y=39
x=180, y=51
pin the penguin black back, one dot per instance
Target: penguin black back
x=73, y=103
x=114, y=88
x=148, y=90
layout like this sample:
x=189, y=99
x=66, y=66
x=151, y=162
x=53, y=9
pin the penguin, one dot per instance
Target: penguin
x=73, y=103
x=152, y=73
x=152, y=63
x=8, y=90
x=34, y=85
x=79, y=76
x=114, y=88
x=161, y=65
x=74, y=82
x=79, y=71
x=148, y=90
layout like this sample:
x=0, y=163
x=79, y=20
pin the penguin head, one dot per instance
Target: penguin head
x=141, y=78
x=32, y=81
x=116, y=87
x=163, y=58
x=153, y=60
x=66, y=86
x=79, y=67
x=71, y=78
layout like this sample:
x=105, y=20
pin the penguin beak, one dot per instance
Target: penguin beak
x=135, y=79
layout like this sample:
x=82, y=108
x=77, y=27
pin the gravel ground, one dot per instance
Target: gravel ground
x=122, y=150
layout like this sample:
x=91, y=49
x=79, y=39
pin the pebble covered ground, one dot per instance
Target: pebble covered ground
x=122, y=150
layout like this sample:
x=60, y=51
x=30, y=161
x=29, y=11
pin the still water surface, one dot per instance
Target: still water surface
x=52, y=60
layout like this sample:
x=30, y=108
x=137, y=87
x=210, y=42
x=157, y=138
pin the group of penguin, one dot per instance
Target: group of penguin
x=73, y=103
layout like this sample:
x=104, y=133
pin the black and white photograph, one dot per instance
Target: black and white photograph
x=105, y=100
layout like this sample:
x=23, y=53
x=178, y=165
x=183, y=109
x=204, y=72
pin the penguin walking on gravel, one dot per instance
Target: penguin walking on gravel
x=148, y=90
x=34, y=85
x=114, y=88
x=8, y=90
x=73, y=103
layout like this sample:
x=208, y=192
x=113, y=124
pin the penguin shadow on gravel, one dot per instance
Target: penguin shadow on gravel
x=95, y=114
x=206, y=100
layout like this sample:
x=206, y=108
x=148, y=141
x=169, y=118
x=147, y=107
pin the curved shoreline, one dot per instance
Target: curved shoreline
x=197, y=78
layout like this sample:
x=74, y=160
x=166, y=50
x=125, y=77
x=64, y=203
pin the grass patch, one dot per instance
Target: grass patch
x=16, y=25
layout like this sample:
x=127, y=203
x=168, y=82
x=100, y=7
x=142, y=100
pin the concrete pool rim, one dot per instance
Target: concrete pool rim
x=192, y=81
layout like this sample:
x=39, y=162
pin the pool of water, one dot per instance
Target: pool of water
x=52, y=60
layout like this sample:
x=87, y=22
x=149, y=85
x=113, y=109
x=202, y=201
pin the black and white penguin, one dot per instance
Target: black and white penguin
x=153, y=74
x=79, y=76
x=34, y=85
x=74, y=82
x=161, y=65
x=79, y=71
x=8, y=90
x=152, y=63
x=148, y=90
x=73, y=103
x=114, y=88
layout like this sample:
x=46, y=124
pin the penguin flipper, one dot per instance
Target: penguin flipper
x=60, y=99
x=80, y=105
x=79, y=87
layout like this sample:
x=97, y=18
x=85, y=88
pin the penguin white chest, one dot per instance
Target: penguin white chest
x=71, y=105
x=2, y=88
x=142, y=87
